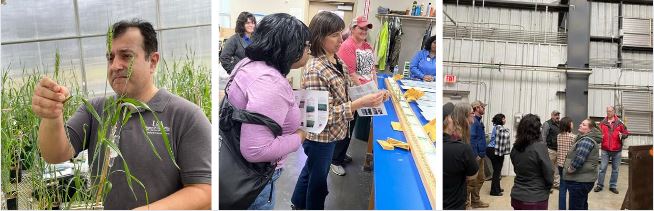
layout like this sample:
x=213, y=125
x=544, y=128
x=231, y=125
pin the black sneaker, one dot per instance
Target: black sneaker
x=614, y=190
x=347, y=159
x=597, y=189
x=294, y=208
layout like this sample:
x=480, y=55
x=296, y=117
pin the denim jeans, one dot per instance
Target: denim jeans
x=311, y=187
x=261, y=202
x=563, y=190
x=578, y=194
x=616, y=158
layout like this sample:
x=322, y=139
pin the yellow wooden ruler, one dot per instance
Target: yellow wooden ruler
x=422, y=148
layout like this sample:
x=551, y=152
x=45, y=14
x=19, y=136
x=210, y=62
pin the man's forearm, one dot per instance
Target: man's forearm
x=191, y=197
x=53, y=143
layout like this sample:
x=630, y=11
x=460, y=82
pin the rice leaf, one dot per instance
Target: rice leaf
x=147, y=137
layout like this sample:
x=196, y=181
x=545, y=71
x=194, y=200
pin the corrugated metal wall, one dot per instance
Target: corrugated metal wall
x=506, y=18
x=637, y=11
x=638, y=140
x=604, y=19
x=504, y=52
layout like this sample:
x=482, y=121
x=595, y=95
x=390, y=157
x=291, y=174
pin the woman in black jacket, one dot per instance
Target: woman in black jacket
x=532, y=166
x=234, y=49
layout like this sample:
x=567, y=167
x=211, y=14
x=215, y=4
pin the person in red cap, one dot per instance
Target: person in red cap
x=357, y=54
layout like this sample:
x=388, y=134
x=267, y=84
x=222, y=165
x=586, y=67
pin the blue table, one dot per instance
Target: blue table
x=396, y=181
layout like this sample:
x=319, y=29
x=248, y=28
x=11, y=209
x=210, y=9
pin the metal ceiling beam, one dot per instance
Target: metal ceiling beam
x=512, y=5
x=634, y=2
x=637, y=48
x=604, y=39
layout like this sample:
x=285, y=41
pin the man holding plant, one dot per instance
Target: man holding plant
x=175, y=174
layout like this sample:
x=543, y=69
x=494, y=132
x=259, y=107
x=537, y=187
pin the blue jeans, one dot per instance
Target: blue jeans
x=311, y=187
x=578, y=194
x=616, y=158
x=563, y=191
x=261, y=202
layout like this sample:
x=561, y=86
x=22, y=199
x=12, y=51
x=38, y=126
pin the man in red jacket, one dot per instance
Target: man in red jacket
x=613, y=133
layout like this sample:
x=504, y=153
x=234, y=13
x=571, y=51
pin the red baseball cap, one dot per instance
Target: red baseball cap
x=362, y=22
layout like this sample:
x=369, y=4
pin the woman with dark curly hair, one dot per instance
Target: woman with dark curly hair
x=498, y=146
x=235, y=46
x=259, y=85
x=423, y=64
x=532, y=166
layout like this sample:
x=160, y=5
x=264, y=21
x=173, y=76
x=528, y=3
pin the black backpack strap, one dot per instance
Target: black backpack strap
x=228, y=110
x=244, y=116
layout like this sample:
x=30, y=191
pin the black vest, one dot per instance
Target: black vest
x=551, y=134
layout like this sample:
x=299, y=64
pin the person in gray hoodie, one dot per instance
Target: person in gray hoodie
x=532, y=166
x=581, y=164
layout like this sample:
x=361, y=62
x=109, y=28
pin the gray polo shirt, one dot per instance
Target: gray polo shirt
x=189, y=133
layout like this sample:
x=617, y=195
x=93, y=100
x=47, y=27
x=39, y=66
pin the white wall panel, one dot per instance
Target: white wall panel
x=604, y=19
x=637, y=11
x=603, y=50
x=637, y=140
x=504, y=18
x=504, y=52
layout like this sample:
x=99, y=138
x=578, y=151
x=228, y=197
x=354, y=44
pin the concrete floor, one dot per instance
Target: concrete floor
x=603, y=200
x=350, y=192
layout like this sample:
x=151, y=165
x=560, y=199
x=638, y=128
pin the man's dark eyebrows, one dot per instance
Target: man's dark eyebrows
x=126, y=50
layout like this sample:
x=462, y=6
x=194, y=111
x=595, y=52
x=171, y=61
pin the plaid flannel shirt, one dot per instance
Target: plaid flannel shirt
x=502, y=142
x=583, y=148
x=320, y=74
x=564, y=142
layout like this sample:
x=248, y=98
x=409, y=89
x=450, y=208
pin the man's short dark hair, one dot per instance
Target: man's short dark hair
x=427, y=44
x=279, y=40
x=150, y=44
x=241, y=20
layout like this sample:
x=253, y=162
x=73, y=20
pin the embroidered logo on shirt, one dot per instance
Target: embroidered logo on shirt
x=154, y=129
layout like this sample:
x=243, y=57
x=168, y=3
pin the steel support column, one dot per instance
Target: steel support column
x=576, y=92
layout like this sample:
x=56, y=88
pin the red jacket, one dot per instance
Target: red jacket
x=611, y=134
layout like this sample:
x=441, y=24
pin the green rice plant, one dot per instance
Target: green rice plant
x=187, y=79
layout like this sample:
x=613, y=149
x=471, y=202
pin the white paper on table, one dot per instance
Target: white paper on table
x=429, y=115
x=314, y=109
x=426, y=103
x=422, y=89
x=428, y=112
x=357, y=92
x=421, y=84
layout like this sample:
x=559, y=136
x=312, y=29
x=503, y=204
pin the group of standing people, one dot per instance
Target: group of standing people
x=262, y=56
x=544, y=156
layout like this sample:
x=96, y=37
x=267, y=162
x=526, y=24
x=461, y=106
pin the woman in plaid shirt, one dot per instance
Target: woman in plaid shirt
x=564, y=142
x=499, y=146
x=326, y=72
